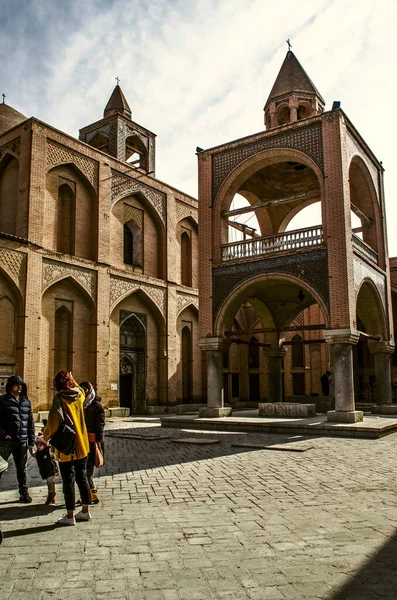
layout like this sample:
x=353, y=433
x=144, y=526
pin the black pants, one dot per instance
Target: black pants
x=75, y=471
x=19, y=451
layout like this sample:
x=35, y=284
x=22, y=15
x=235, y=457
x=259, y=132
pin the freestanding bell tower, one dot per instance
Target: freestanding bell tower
x=257, y=289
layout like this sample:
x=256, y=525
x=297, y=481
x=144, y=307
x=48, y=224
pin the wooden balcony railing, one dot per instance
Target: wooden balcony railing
x=283, y=242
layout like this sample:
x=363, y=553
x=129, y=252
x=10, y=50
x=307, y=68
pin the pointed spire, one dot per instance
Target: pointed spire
x=293, y=95
x=117, y=104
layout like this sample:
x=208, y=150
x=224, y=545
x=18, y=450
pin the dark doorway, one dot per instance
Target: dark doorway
x=254, y=386
x=298, y=384
x=187, y=365
x=132, y=361
x=126, y=390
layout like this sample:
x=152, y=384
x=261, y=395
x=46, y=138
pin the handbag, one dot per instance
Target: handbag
x=98, y=455
x=64, y=439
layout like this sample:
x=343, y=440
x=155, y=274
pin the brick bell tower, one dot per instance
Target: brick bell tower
x=117, y=135
x=305, y=156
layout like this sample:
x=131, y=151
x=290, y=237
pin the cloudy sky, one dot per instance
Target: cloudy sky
x=197, y=72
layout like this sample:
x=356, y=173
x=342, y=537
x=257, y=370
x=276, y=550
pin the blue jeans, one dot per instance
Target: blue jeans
x=19, y=451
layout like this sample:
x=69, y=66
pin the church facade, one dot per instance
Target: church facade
x=98, y=263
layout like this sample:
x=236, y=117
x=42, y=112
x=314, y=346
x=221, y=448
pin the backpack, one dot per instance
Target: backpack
x=64, y=439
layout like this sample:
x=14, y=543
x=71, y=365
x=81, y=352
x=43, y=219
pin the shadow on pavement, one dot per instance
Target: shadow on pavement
x=24, y=511
x=29, y=530
x=376, y=579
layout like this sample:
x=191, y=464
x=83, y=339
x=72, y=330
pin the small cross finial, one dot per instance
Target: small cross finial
x=118, y=80
x=4, y=97
x=289, y=44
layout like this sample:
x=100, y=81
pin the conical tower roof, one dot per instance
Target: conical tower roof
x=117, y=104
x=292, y=78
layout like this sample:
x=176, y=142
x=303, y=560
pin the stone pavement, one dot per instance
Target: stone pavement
x=200, y=522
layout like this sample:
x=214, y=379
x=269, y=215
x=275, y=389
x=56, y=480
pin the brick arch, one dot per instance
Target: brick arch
x=370, y=310
x=77, y=171
x=363, y=194
x=75, y=282
x=242, y=172
x=296, y=210
x=13, y=332
x=241, y=293
x=146, y=299
x=9, y=184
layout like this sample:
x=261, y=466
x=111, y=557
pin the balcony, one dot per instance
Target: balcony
x=364, y=249
x=290, y=241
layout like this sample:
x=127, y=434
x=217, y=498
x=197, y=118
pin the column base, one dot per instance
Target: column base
x=345, y=416
x=215, y=412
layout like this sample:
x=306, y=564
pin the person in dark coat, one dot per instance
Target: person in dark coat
x=17, y=430
x=95, y=421
x=325, y=382
x=47, y=466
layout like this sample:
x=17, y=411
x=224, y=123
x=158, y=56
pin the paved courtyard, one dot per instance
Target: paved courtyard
x=198, y=522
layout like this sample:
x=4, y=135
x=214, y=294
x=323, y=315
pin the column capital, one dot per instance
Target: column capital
x=341, y=336
x=214, y=344
x=275, y=352
x=381, y=347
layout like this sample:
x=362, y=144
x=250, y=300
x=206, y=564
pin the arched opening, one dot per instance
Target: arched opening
x=132, y=363
x=309, y=216
x=66, y=219
x=9, y=174
x=63, y=350
x=283, y=115
x=100, y=141
x=364, y=206
x=132, y=244
x=187, y=364
x=186, y=259
x=244, y=226
x=298, y=354
x=136, y=152
x=7, y=327
x=303, y=111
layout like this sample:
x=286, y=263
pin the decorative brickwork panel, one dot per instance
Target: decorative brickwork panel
x=183, y=300
x=354, y=149
x=122, y=287
x=14, y=263
x=131, y=213
x=310, y=268
x=58, y=154
x=305, y=139
x=123, y=186
x=251, y=315
x=183, y=211
x=13, y=147
x=55, y=271
x=92, y=134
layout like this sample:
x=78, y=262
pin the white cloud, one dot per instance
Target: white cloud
x=197, y=72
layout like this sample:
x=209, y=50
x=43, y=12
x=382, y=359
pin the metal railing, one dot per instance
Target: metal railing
x=366, y=250
x=284, y=242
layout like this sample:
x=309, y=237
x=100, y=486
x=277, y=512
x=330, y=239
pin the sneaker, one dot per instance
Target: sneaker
x=83, y=516
x=25, y=498
x=65, y=520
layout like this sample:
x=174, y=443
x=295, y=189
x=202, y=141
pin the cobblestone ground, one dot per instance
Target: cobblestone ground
x=199, y=522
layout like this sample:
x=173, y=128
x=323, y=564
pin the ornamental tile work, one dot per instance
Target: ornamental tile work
x=12, y=147
x=184, y=211
x=131, y=213
x=306, y=139
x=58, y=154
x=14, y=263
x=102, y=129
x=309, y=267
x=354, y=149
x=122, y=186
x=55, y=271
x=122, y=287
x=183, y=300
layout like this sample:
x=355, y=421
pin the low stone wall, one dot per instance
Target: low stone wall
x=286, y=409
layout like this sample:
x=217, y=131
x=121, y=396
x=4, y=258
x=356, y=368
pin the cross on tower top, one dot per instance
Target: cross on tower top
x=118, y=80
x=4, y=97
x=289, y=44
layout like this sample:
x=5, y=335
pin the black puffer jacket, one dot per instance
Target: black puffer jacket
x=16, y=418
x=45, y=462
x=95, y=419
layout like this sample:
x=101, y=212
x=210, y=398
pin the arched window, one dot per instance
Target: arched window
x=303, y=111
x=298, y=352
x=63, y=340
x=136, y=152
x=132, y=244
x=283, y=115
x=9, y=195
x=253, y=354
x=100, y=141
x=66, y=219
x=7, y=327
x=186, y=259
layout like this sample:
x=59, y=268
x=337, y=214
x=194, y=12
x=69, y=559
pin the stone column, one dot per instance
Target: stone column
x=382, y=351
x=341, y=347
x=215, y=347
x=274, y=374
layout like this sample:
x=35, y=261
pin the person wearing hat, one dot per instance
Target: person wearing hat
x=17, y=430
x=47, y=466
